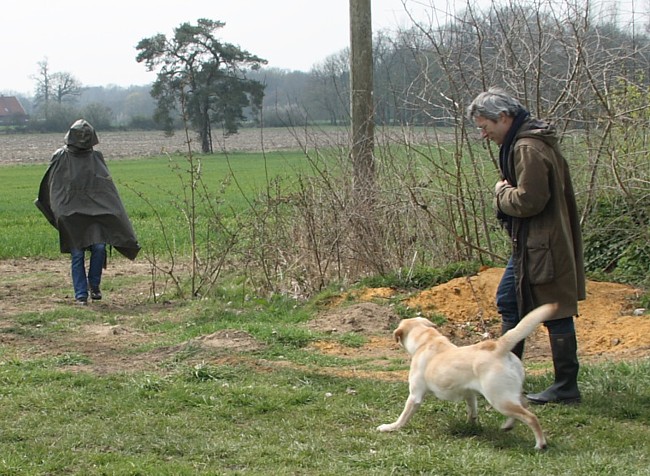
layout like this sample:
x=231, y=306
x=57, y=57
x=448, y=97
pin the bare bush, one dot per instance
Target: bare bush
x=567, y=63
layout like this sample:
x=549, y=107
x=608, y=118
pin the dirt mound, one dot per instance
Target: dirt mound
x=607, y=326
x=364, y=317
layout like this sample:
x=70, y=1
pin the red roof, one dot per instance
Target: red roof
x=11, y=107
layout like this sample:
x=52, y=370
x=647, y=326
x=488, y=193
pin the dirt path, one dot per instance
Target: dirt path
x=607, y=328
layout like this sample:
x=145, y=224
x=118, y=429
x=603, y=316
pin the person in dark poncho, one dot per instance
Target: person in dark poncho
x=78, y=197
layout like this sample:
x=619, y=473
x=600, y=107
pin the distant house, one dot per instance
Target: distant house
x=11, y=111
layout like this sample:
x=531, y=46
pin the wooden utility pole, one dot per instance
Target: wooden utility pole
x=361, y=96
x=368, y=229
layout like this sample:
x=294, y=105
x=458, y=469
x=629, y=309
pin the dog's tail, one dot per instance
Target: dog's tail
x=528, y=324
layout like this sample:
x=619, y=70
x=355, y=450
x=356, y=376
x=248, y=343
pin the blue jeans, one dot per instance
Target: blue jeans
x=507, y=305
x=80, y=281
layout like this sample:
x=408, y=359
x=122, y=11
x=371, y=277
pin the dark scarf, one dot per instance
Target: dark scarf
x=504, y=164
x=504, y=152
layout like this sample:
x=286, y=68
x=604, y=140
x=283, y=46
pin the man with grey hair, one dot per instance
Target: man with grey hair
x=534, y=201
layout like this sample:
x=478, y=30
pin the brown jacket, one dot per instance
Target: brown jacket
x=546, y=235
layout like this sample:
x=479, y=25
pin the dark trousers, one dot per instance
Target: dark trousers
x=81, y=279
x=507, y=305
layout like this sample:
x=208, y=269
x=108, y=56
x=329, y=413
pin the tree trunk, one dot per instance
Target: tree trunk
x=204, y=133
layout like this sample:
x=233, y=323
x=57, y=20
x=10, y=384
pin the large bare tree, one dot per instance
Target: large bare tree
x=54, y=89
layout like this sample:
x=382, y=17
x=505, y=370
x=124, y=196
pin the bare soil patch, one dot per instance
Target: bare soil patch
x=36, y=148
x=608, y=328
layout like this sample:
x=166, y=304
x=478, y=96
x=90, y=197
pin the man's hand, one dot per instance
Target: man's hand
x=499, y=185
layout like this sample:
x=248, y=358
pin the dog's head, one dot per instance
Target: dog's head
x=412, y=333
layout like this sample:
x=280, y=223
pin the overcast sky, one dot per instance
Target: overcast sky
x=95, y=41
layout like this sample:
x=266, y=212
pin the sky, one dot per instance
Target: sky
x=95, y=41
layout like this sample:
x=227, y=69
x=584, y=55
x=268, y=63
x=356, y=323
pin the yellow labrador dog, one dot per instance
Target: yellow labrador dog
x=454, y=373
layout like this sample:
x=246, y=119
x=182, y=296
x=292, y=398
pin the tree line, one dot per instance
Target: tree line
x=558, y=59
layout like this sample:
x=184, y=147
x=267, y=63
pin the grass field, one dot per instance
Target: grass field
x=27, y=233
x=278, y=408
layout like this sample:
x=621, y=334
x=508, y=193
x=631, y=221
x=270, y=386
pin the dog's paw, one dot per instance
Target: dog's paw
x=508, y=425
x=386, y=427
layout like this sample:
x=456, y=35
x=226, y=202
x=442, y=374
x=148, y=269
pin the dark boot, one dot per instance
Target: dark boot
x=518, y=349
x=565, y=362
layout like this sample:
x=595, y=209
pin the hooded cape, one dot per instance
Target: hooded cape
x=78, y=197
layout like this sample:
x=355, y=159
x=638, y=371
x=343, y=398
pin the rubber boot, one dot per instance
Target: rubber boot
x=564, y=348
x=518, y=349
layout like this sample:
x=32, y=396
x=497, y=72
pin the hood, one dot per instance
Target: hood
x=81, y=135
x=540, y=130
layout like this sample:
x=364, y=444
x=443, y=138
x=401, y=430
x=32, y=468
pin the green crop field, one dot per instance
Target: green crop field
x=144, y=184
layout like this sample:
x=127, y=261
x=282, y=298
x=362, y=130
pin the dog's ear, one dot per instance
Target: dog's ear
x=398, y=333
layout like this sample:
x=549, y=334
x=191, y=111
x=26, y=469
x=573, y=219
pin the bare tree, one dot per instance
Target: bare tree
x=65, y=87
x=568, y=63
x=54, y=91
x=329, y=87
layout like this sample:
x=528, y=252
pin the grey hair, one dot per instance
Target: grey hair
x=491, y=103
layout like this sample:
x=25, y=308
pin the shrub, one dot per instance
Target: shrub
x=617, y=239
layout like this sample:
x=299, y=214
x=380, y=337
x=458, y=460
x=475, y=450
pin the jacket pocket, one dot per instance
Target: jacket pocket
x=539, y=259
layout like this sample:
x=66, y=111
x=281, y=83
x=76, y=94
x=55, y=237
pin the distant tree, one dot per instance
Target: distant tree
x=54, y=91
x=330, y=87
x=285, y=97
x=65, y=87
x=61, y=116
x=201, y=77
x=124, y=103
x=99, y=115
x=138, y=104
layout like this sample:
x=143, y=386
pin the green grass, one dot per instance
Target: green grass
x=156, y=180
x=239, y=420
x=279, y=409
